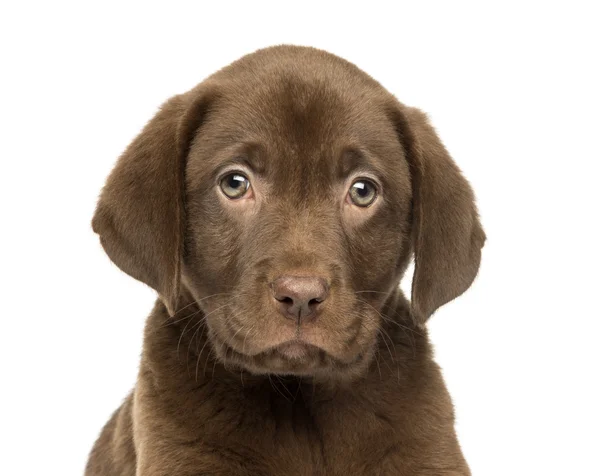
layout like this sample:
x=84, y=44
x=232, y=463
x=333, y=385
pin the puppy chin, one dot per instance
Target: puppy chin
x=295, y=358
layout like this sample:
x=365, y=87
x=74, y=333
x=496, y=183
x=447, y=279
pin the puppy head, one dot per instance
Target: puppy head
x=286, y=194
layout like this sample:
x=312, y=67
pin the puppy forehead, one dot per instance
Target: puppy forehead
x=293, y=126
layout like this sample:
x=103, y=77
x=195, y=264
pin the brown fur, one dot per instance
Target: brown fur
x=214, y=394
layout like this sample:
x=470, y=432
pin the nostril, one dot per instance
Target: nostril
x=299, y=297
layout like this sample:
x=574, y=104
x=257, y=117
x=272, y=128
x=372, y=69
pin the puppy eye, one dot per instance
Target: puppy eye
x=235, y=185
x=362, y=193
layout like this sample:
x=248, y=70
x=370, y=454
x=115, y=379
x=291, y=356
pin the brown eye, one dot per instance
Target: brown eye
x=363, y=193
x=235, y=185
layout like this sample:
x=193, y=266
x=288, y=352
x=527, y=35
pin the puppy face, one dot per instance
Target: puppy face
x=285, y=194
x=298, y=224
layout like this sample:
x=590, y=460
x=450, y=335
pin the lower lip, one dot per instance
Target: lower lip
x=293, y=350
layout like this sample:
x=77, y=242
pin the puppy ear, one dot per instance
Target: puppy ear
x=140, y=215
x=447, y=236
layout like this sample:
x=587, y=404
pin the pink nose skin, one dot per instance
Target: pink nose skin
x=299, y=297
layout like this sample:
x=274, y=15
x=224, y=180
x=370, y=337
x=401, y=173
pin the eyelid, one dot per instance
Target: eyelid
x=363, y=175
x=232, y=167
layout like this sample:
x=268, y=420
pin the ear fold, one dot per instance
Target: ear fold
x=140, y=215
x=447, y=236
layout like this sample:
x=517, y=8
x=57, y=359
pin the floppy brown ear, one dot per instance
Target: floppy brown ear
x=140, y=215
x=447, y=236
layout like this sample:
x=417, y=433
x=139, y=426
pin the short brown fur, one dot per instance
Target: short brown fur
x=215, y=394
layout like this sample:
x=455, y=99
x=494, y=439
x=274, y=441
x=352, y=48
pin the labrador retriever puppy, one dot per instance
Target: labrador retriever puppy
x=274, y=208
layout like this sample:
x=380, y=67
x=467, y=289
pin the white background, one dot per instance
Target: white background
x=513, y=92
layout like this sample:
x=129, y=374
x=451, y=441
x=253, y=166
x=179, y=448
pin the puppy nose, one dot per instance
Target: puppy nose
x=299, y=297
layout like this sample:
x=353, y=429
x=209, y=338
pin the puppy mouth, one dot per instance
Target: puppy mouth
x=293, y=357
x=296, y=349
x=307, y=350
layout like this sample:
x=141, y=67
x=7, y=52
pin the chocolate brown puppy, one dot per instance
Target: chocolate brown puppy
x=274, y=208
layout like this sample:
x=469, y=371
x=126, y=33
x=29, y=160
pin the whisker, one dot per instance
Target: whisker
x=192, y=340
x=244, y=343
x=381, y=332
x=389, y=319
x=384, y=333
x=210, y=351
x=284, y=386
x=181, y=337
x=276, y=389
x=408, y=332
x=169, y=319
x=214, y=366
x=370, y=291
x=182, y=308
x=236, y=332
x=199, y=358
x=198, y=323
x=377, y=361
